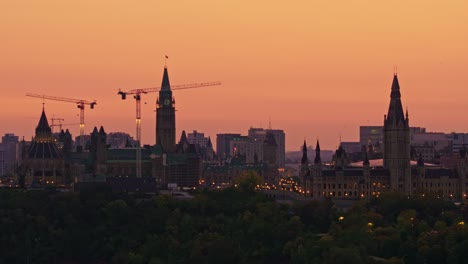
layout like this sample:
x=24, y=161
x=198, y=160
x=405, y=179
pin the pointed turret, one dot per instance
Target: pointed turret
x=317, y=159
x=101, y=131
x=209, y=144
x=395, y=115
x=183, y=138
x=305, y=159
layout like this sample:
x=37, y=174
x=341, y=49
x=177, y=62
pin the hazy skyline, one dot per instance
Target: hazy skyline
x=317, y=69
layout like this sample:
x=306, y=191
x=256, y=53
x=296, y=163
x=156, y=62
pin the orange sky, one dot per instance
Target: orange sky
x=316, y=68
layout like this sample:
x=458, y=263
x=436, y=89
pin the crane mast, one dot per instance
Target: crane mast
x=53, y=119
x=137, y=96
x=80, y=103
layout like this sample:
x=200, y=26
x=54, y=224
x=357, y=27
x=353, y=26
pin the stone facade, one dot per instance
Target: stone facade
x=395, y=172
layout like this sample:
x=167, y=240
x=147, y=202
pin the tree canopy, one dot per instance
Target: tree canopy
x=232, y=225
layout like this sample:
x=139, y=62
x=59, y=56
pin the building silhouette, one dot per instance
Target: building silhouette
x=43, y=162
x=396, y=133
x=9, y=153
x=260, y=134
x=396, y=172
x=165, y=163
x=165, y=116
x=223, y=144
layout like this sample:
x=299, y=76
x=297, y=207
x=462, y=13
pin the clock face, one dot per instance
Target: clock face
x=167, y=102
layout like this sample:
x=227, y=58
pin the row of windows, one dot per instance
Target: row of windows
x=345, y=186
x=430, y=184
x=349, y=194
x=346, y=194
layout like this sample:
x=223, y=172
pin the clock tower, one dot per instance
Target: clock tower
x=165, y=116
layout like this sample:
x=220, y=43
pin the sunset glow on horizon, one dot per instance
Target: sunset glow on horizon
x=316, y=69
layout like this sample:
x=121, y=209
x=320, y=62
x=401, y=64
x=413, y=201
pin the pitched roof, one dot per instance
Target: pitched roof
x=43, y=127
x=44, y=150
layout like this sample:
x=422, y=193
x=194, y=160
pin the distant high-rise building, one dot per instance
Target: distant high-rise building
x=86, y=139
x=197, y=138
x=165, y=116
x=120, y=140
x=202, y=144
x=238, y=146
x=351, y=147
x=459, y=141
x=259, y=134
x=223, y=142
x=371, y=137
x=9, y=153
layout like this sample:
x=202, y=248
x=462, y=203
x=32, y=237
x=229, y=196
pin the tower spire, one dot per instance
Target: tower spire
x=317, y=159
x=305, y=159
x=397, y=149
x=395, y=113
x=165, y=115
x=165, y=85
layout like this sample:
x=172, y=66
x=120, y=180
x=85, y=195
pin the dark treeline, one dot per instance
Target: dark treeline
x=226, y=226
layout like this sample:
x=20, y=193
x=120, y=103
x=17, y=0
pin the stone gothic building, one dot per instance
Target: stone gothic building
x=395, y=172
x=42, y=161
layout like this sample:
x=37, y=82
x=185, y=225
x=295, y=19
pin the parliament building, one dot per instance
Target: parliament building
x=396, y=172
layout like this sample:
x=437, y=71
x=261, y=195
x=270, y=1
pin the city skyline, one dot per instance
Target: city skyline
x=316, y=70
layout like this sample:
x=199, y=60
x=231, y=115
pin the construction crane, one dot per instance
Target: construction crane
x=60, y=124
x=53, y=119
x=80, y=103
x=137, y=96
